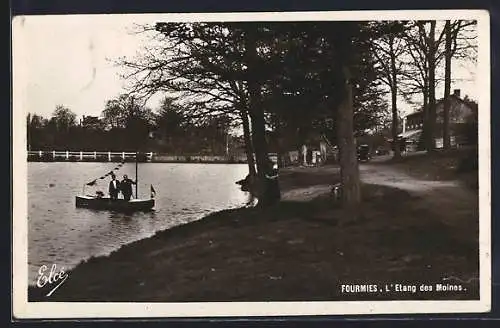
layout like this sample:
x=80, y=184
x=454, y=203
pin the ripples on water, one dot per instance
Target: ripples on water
x=60, y=233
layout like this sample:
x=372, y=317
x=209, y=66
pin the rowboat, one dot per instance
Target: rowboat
x=106, y=203
x=101, y=202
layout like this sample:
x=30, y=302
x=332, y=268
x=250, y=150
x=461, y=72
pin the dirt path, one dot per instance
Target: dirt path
x=390, y=176
x=303, y=184
x=438, y=196
x=371, y=174
x=385, y=175
x=449, y=201
x=305, y=194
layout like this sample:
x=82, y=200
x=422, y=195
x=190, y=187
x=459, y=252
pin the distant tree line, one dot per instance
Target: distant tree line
x=127, y=125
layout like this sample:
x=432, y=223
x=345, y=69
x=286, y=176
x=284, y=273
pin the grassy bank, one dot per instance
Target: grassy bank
x=294, y=251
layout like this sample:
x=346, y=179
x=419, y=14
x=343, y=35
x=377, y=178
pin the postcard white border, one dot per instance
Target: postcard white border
x=22, y=309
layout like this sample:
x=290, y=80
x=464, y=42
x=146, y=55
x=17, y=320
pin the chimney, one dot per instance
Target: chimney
x=456, y=93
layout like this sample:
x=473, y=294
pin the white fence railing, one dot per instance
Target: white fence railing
x=85, y=155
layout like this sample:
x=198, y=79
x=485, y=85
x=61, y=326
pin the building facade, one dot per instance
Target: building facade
x=461, y=113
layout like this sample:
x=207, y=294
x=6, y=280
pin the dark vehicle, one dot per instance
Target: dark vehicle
x=364, y=153
x=401, y=143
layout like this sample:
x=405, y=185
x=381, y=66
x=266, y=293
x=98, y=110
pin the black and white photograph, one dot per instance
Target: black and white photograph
x=251, y=164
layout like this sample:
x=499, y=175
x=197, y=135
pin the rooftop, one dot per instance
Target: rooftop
x=455, y=95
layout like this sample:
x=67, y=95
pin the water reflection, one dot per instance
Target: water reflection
x=140, y=223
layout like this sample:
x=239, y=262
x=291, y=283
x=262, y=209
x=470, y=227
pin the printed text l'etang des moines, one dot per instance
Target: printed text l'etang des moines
x=400, y=288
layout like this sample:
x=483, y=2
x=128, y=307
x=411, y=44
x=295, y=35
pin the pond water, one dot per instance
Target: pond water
x=59, y=233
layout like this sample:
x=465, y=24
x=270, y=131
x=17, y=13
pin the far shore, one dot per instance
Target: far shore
x=181, y=160
x=409, y=232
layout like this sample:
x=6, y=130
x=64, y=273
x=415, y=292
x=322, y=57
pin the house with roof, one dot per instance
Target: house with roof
x=91, y=122
x=461, y=113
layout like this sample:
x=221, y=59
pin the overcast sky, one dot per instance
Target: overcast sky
x=66, y=61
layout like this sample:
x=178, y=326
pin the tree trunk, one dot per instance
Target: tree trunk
x=248, y=144
x=349, y=171
x=394, y=91
x=278, y=139
x=256, y=111
x=302, y=148
x=447, y=87
x=425, y=114
x=431, y=57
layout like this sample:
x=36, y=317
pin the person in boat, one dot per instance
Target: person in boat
x=126, y=187
x=114, y=187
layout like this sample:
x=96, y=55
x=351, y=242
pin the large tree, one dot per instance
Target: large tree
x=129, y=122
x=215, y=69
x=387, y=49
x=36, y=134
x=460, y=43
x=202, y=64
x=430, y=123
x=119, y=111
x=170, y=122
x=420, y=73
x=63, y=118
x=447, y=86
x=429, y=42
x=282, y=77
x=60, y=126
